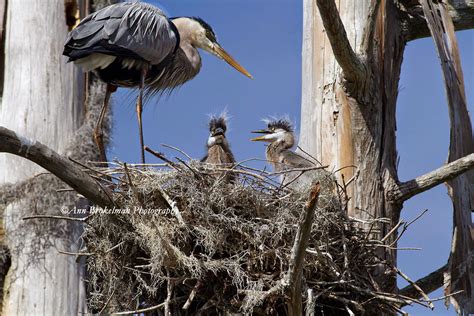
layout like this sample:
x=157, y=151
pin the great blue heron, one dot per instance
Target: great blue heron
x=218, y=149
x=280, y=135
x=136, y=45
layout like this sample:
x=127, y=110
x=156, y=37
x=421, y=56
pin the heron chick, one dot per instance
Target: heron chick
x=280, y=136
x=136, y=45
x=218, y=148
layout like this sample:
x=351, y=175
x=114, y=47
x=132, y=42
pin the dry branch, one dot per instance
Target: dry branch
x=405, y=190
x=460, y=11
x=352, y=66
x=428, y=284
x=298, y=252
x=54, y=163
x=461, y=261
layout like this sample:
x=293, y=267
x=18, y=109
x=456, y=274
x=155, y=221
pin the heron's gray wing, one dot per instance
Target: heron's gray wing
x=137, y=30
x=292, y=160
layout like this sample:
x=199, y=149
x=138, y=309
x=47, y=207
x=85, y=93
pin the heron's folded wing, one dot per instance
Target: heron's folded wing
x=292, y=160
x=135, y=30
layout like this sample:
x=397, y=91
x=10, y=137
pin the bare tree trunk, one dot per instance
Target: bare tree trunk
x=350, y=124
x=352, y=57
x=42, y=100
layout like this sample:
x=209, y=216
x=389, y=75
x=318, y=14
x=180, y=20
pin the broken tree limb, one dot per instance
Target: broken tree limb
x=61, y=167
x=352, y=66
x=460, y=11
x=428, y=284
x=298, y=253
x=460, y=274
x=405, y=190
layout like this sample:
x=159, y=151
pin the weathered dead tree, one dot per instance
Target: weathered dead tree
x=258, y=248
x=352, y=55
x=41, y=98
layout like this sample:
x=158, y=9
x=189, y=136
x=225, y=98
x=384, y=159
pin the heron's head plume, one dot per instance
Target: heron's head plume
x=278, y=130
x=201, y=35
x=217, y=129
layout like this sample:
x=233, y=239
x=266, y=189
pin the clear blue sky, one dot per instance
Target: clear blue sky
x=265, y=37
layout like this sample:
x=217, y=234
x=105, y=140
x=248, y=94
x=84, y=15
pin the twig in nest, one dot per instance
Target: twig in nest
x=106, y=176
x=419, y=289
x=143, y=310
x=192, y=295
x=169, y=291
x=108, y=301
x=64, y=190
x=405, y=227
x=178, y=150
x=309, y=155
x=297, y=169
x=394, y=229
x=75, y=253
x=172, y=204
x=74, y=219
x=162, y=157
x=134, y=190
x=115, y=247
x=196, y=174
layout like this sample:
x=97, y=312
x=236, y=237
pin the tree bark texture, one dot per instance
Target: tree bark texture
x=353, y=126
x=349, y=122
x=460, y=276
x=42, y=99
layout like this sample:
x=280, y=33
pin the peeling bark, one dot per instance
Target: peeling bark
x=40, y=100
x=341, y=128
x=415, y=27
x=460, y=274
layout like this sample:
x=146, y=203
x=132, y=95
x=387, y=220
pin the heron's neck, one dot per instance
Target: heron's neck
x=191, y=53
x=274, y=151
x=187, y=34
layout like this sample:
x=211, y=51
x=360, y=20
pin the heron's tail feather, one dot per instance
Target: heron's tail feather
x=94, y=61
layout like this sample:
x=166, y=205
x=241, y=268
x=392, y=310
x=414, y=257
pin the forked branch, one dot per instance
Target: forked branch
x=352, y=66
x=64, y=169
x=405, y=190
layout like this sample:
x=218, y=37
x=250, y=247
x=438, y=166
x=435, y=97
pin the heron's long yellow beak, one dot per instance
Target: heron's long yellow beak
x=261, y=138
x=230, y=60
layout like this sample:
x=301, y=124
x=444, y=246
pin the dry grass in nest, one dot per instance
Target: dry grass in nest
x=225, y=247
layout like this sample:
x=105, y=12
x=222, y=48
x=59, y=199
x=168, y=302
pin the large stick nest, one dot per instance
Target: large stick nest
x=190, y=241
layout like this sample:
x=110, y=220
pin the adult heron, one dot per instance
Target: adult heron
x=136, y=45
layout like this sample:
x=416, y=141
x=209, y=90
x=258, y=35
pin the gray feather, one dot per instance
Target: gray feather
x=138, y=27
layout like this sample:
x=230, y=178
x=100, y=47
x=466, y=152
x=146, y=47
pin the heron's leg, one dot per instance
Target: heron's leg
x=98, y=132
x=140, y=109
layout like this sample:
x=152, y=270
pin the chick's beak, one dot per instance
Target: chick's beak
x=221, y=53
x=218, y=131
x=261, y=138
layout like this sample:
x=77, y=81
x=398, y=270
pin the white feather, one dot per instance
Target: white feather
x=211, y=141
x=95, y=61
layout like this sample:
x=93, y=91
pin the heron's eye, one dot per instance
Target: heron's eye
x=211, y=36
